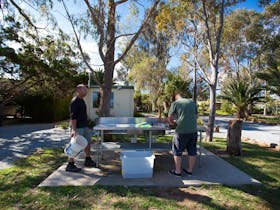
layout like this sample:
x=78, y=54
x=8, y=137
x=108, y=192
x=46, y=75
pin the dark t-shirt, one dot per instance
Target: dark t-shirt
x=78, y=111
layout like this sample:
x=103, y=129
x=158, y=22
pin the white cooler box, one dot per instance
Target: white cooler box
x=137, y=164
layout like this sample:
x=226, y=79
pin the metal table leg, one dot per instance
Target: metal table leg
x=200, y=144
x=150, y=139
x=99, y=148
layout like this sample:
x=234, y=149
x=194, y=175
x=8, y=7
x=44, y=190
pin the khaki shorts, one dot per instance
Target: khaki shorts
x=85, y=132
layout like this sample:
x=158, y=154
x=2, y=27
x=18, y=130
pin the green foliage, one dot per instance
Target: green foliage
x=272, y=77
x=45, y=108
x=227, y=107
x=203, y=106
x=177, y=83
x=241, y=94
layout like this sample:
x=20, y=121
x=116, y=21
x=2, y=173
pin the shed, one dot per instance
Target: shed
x=121, y=103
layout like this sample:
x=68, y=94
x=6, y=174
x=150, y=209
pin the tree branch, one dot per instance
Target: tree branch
x=139, y=31
x=120, y=2
x=203, y=70
x=25, y=16
x=99, y=28
x=206, y=21
x=124, y=35
x=78, y=42
x=219, y=35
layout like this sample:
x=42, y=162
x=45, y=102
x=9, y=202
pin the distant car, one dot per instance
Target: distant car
x=11, y=110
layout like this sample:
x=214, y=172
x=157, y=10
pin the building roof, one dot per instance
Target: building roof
x=116, y=87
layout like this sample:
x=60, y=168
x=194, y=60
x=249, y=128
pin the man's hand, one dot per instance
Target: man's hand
x=73, y=133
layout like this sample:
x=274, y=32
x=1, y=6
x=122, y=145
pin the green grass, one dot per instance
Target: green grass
x=260, y=163
x=18, y=186
x=266, y=119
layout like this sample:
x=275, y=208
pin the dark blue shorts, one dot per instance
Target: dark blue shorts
x=182, y=142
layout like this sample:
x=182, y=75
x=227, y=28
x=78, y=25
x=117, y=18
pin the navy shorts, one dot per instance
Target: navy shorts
x=182, y=142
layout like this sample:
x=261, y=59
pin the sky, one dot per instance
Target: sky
x=90, y=45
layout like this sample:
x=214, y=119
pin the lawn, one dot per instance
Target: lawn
x=18, y=186
x=266, y=119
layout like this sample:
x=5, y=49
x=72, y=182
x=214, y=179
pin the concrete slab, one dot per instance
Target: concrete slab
x=213, y=170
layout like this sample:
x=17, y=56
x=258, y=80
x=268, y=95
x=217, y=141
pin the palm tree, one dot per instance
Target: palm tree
x=241, y=94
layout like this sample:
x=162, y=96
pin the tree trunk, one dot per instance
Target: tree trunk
x=109, y=63
x=234, y=137
x=195, y=84
x=105, y=92
x=212, y=114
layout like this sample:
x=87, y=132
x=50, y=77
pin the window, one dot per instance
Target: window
x=96, y=99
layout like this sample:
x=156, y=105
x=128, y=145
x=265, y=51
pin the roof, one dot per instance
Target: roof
x=115, y=87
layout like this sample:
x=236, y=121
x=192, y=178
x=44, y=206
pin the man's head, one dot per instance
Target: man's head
x=81, y=90
x=177, y=95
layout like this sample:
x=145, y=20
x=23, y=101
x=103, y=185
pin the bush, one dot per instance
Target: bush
x=45, y=108
x=227, y=107
x=203, y=107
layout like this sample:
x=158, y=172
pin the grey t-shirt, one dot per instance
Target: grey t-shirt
x=185, y=111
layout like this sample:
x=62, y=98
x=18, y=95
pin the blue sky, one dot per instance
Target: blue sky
x=250, y=4
x=90, y=45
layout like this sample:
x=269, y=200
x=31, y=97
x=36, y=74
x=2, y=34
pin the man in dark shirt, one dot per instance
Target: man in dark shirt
x=79, y=125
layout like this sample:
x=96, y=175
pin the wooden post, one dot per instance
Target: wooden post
x=234, y=137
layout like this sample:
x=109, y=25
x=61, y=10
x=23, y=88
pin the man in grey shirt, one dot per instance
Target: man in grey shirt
x=185, y=137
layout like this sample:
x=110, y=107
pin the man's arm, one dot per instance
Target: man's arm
x=170, y=120
x=171, y=114
x=73, y=118
x=73, y=124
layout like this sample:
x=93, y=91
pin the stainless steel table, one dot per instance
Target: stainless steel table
x=132, y=127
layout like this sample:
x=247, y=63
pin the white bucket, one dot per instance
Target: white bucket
x=76, y=145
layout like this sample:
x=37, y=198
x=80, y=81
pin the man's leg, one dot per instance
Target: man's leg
x=191, y=148
x=177, y=155
x=178, y=164
x=87, y=150
x=191, y=161
x=71, y=167
x=88, y=161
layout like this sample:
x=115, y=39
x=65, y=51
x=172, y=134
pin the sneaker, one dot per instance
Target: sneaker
x=172, y=172
x=90, y=163
x=71, y=167
x=186, y=171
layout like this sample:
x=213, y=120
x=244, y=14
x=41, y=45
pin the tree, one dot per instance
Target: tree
x=147, y=76
x=272, y=77
x=271, y=49
x=241, y=93
x=100, y=22
x=104, y=18
x=210, y=19
x=39, y=66
x=174, y=83
x=147, y=62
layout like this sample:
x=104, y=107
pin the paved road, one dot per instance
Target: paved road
x=255, y=131
x=18, y=141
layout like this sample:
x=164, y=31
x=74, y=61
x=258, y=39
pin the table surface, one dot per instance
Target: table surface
x=161, y=126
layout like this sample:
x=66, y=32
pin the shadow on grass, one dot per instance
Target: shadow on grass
x=136, y=197
x=260, y=163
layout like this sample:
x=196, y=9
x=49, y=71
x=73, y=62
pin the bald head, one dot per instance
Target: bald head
x=81, y=90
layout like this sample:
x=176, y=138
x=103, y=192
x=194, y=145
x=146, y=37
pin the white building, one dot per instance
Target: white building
x=121, y=103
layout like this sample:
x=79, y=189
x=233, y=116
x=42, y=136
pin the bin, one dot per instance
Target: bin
x=137, y=164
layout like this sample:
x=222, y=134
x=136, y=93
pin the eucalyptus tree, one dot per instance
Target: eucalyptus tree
x=208, y=17
x=271, y=49
x=148, y=60
x=100, y=21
